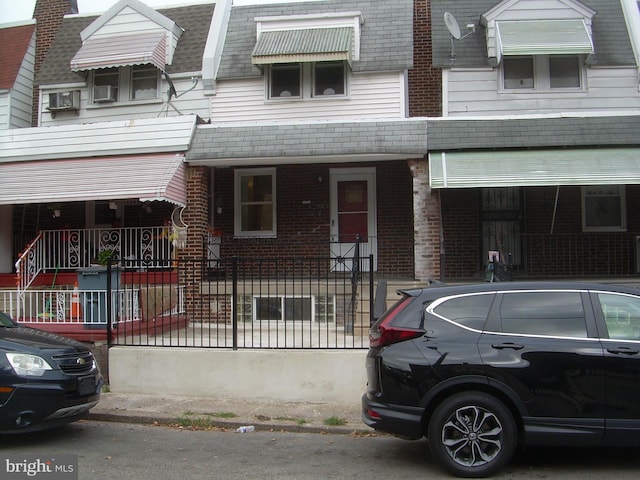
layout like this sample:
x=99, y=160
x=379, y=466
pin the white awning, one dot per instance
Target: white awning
x=144, y=177
x=608, y=166
x=544, y=37
x=121, y=50
x=303, y=45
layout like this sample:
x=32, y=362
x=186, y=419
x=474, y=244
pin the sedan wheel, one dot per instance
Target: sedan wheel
x=472, y=434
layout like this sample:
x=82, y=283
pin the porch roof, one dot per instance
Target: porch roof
x=512, y=168
x=144, y=177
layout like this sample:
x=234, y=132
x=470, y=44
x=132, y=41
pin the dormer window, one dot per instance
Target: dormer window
x=542, y=72
x=144, y=82
x=306, y=80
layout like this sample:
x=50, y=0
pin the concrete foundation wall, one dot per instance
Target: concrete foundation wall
x=307, y=376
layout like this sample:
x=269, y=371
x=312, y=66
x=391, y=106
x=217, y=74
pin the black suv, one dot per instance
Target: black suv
x=482, y=369
x=45, y=380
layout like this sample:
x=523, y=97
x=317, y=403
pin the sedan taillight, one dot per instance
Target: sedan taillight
x=384, y=333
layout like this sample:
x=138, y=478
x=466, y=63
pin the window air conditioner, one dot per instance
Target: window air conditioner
x=64, y=101
x=103, y=93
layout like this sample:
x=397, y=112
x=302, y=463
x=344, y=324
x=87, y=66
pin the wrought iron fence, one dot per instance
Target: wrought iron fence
x=266, y=303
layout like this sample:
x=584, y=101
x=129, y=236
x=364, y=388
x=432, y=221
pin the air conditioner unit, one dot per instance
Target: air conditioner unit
x=64, y=101
x=104, y=93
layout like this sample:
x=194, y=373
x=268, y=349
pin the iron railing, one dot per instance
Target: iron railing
x=284, y=303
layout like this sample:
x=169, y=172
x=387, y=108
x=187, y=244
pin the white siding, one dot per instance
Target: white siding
x=22, y=92
x=191, y=103
x=475, y=92
x=376, y=95
x=4, y=110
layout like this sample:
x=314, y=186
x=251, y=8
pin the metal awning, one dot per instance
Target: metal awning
x=544, y=37
x=608, y=166
x=303, y=45
x=144, y=177
x=121, y=50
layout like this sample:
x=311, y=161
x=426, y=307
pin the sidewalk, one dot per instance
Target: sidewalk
x=230, y=413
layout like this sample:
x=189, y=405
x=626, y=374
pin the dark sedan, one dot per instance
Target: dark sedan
x=483, y=369
x=45, y=380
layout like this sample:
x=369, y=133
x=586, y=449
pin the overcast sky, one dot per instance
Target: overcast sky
x=16, y=10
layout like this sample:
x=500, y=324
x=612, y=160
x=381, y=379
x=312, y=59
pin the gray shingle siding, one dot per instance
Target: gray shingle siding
x=446, y=134
x=313, y=139
x=386, y=42
x=194, y=19
x=610, y=37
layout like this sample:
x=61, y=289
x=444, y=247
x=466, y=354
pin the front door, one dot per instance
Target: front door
x=353, y=216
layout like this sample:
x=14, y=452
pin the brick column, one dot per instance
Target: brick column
x=426, y=223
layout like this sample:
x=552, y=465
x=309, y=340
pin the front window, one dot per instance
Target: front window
x=282, y=308
x=106, y=83
x=603, y=208
x=542, y=72
x=285, y=80
x=255, y=207
x=144, y=82
x=328, y=78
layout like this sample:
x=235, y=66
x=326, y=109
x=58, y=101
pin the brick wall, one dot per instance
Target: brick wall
x=49, y=15
x=425, y=81
x=303, y=215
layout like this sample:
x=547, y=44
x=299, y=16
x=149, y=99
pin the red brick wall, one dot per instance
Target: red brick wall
x=303, y=215
x=425, y=81
x=49, y=15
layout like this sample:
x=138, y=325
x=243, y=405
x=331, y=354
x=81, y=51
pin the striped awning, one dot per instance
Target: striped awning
x=303, y=45
x=544, y=37
x=121, y=50
x=519, y=168
x=143, y=177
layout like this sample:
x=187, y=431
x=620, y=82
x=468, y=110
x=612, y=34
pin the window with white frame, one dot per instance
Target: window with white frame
x=542, y=72
x=255, y=202
x=603, y=208
x=307, y=80
x=144, y=82
x=119, y=84
x=282, y=308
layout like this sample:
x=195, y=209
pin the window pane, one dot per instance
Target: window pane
x=256, y=188
x=285, y=80
x=470, y=311
x=107, y=76
x=257, y=218
x=144, y=83
x=297, y=309
x=269, y=308
x=544, y=313
x=328, y=78
x=602, y=207
x=622, y=315
x=518, y=72
x=564, y=72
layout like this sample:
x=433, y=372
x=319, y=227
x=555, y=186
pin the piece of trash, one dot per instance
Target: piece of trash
x=246, y=429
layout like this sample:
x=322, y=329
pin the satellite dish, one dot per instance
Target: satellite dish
x=452, y=25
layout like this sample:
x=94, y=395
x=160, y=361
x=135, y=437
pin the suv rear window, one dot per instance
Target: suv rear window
x=468, y=310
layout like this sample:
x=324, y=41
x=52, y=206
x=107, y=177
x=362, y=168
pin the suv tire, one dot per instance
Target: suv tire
x=472, y=434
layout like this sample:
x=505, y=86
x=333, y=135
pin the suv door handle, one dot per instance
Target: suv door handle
x=513, y=346
x=623, y=351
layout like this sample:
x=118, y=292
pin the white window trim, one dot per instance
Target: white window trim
x=541, y=77
x=622, y=227
x=237, y=204
x=314, y=308
x=125, y=91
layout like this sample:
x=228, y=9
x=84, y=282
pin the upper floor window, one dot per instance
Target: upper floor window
x=306, y=80
x=542, y=72
x=255, y=202
x=144, y=82
x=120, y=84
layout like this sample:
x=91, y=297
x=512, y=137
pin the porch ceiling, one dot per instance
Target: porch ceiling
x=605, y=166
x=144, y=177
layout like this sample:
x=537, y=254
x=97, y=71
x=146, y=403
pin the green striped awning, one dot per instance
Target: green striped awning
x=303, y=45
x=548, y=37
x=519, y=168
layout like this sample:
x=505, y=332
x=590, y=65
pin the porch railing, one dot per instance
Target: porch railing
x=71, y=249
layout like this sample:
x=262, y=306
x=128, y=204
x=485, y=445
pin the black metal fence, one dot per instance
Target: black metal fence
x=260, y=303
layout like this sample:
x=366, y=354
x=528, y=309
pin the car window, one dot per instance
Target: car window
x=621, y=315
x=469, y=310
x=557, y=314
